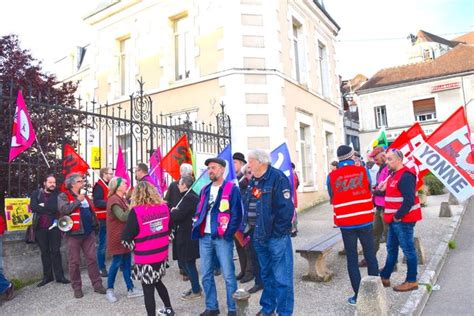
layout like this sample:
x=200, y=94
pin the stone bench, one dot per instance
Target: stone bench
x=315, y=253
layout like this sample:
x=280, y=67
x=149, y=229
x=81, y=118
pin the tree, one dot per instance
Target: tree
x=52, y=107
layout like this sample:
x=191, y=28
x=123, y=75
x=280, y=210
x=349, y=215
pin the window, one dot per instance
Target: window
x=296, y=48
x=306, y=155
x=124, y=64
x=424, y=110
x=125, y=142
x=182, y=48
x=329, y=148
x=323, y=67
x=380, y=116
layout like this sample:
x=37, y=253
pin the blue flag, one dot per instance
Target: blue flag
x=281, y=160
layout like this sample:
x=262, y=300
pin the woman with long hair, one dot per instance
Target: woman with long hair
x=146, y=232
x=117, y=215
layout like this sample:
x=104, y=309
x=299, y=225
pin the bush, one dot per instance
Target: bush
x=435, y=186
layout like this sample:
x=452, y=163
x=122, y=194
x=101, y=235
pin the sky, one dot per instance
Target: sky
x=373, y=33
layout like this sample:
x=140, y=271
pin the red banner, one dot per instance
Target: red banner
x=23, y=133
x=72, y=162
x=407, y=142
x=178, y=155
x=448, y=154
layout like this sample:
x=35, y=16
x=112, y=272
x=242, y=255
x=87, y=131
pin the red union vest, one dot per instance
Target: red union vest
x=352, y=199
x=394, y=200
x=223, y=217
x=100, y=212
x=76, y=214
x=151, y=243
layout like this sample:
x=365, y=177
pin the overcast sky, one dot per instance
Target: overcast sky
x=373, y=32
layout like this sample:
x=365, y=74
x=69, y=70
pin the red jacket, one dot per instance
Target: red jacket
x=3, y=226
x=101, y=212
x=394, y=200
x=352, y=198
x=76, y=214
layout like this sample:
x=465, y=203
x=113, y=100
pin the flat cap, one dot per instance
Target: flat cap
x=220, y=161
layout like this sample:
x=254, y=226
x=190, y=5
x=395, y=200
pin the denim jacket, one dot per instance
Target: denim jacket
x=234, y=209
x=274, y=207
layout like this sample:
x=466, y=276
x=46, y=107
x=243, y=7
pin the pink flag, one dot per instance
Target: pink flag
x=157, y=173
x=121, y=168
x=23, y=134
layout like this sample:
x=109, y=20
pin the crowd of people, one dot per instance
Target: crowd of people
x=256, y=217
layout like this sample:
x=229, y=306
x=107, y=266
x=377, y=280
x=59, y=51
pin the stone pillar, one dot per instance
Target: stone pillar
x=241, y=298
x=445, y=210
x=371, y=300
x=420, y=252
x=452, y=200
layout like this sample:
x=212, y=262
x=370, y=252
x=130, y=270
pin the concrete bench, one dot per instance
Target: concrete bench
x=315, y=253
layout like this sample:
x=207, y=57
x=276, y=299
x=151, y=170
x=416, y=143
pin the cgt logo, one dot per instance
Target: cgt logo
x=349, y=182
x=450, y=145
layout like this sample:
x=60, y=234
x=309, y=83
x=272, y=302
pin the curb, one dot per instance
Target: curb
x=417, y=300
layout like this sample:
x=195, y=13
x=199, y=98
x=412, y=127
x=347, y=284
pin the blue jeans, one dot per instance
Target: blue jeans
x=350, y=237
x=224, y=251
x=101, y=246
x=124, y=263
x=4, y=283
x=190, y=268
x=255, y=265
x=401, y=234
x=275, y=257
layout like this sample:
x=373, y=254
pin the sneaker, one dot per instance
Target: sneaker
x=191, y=296
x=104, y=273
x=134, y=293
x=352, y=300
x=110, y=295
x=166, y=312
x=209, y=312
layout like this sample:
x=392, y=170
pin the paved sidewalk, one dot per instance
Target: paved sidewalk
x=310, y=298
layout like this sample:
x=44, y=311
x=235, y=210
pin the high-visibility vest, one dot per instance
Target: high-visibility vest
x=394, y=200
x=352, y=198
x=101, y=212
x=151, y=243
x=76, y=214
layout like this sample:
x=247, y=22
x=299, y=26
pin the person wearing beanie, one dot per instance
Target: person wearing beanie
x=349, y=189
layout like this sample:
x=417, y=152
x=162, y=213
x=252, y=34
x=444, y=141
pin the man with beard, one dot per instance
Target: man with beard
x=217, y=218
x=44, y=204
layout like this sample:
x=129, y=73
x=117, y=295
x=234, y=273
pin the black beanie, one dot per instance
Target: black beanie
x=344, y=152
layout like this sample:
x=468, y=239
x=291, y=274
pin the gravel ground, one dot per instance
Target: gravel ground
x=310, y=298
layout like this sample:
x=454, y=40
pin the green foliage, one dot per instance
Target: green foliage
x=18, y=284
x=435, y=186
x=452, y=244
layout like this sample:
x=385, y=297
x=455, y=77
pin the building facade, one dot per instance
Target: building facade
x=427, y=92
x=272, y=63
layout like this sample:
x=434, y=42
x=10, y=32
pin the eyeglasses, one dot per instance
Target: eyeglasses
x=79, y=181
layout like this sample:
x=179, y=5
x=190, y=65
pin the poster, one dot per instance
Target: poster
x=18, y=214
x=95, y=157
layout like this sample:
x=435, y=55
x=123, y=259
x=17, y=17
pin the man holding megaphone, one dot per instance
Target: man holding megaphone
x=75, y=204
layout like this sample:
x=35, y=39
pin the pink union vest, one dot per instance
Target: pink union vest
x=151, y=243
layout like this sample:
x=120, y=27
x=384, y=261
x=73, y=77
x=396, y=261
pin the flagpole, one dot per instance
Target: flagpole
x=42, y=153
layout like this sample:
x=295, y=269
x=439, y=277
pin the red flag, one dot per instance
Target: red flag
x=23, y=134
x=178, y=155
x=121, y=168
x=448, y=154
x=72, y=162
x=407, y=142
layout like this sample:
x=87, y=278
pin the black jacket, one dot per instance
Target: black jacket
x=50, y=207
x=186, y=249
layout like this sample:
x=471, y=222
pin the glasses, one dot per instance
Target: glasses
x=79, y=181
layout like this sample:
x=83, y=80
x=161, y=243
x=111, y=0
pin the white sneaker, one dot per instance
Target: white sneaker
x=110, y=295
x=134, y=293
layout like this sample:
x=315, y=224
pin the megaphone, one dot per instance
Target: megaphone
x=65, y=223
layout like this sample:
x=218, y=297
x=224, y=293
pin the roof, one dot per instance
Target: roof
x=457, y=60
x=467, y=38
x=322, y=8
x=423, y=36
